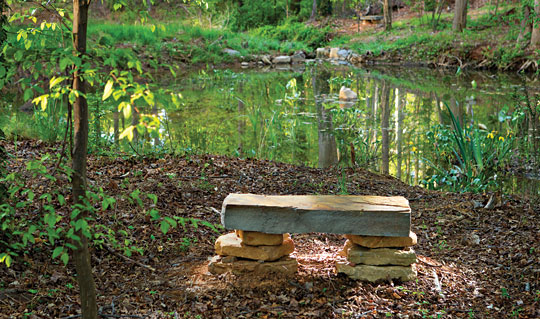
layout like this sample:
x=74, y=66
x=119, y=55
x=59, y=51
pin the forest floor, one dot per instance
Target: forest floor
x=473, y=262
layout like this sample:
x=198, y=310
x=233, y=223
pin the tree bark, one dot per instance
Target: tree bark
x=313, y=11
x=535, y=35
x=387, y=13
x=525, y=26
x=460, y=16
x=81, y=255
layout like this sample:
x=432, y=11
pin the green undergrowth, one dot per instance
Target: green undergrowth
x=199, y=45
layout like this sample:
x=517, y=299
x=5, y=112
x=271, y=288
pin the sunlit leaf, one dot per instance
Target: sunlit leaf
x=128, y=132
x=54, y=81
x=108, y=90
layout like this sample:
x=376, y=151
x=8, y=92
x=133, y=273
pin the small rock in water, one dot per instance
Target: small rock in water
x=322, y=53
x=231, y=52
x=298, y=57
x=343, y=54
x=282, y=59
x=346, y=94
x=334, y=53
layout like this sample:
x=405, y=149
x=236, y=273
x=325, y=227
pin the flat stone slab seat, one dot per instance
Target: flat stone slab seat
x=336, y=214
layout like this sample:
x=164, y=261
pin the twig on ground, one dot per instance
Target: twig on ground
x=114, y=252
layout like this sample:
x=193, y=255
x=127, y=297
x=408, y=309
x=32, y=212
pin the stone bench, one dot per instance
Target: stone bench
x=377, y=229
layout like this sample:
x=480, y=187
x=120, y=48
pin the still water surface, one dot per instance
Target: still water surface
x=295, y=116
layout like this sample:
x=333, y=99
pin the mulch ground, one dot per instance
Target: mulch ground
x=472, y=262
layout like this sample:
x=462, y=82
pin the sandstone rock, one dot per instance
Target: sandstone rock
x=285, y=265
x=334, y=53
x=346, y=94
x=231, y=52
x=380, y=256
x=343, y=54
x=282, y=59
x=355, y=58
x=231, y=245
x=298, y=57
x=337, y=214
x=322, y=53
x=383, y=241
x=377, y=273
x=255, y=238
x=266, y=59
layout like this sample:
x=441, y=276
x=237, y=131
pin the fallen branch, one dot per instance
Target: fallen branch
x=114, y=252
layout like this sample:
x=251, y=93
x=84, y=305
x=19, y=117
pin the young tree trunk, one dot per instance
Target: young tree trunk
x=460, y=16
x=313, y=11
x=81, y=255
x=387, y=13
x=535, y=35
x=525, y=26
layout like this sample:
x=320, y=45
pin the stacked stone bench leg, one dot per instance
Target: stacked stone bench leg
x=253, y=252
x=378, y=258
x=260, y=243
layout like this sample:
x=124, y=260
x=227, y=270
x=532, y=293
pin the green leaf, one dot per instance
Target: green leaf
x=2, y=71
x=153, y=198
x=164, y=226
x=108, y=90
x=65, y=258
x=57, y=251
x=171, y=221
x=65, y=62
x=18, y=56
x=28, y=94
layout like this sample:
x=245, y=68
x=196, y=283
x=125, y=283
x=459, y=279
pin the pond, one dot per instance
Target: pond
x=295, y=116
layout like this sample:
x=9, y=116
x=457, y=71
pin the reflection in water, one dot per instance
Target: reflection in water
x=385, y=122
x=328, y=155
x=249, y=114
x=399, y=131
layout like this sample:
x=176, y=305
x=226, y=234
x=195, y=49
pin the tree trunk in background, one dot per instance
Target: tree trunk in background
x=313, y=11
x=387, y=13
x=460, y=16
x=385, y=123
x=525, y=26
x=535, y=35
x=81, y=255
